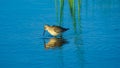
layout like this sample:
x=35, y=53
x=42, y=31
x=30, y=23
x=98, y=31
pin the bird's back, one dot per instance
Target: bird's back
x=59, y=29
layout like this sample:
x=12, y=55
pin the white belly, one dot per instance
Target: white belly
x=53, y=33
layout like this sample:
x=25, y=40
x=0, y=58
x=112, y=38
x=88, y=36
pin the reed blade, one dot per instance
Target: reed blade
x=61, y=11
x=72, y=11
x=56, y=8
x=79, y=18
x=79, y=7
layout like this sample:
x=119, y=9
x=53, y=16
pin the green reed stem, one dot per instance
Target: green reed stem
x=61, y=11
x=72, y=11
x=56, y=8
x=79, y=18
x=79, y=6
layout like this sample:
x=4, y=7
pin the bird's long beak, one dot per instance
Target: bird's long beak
x=43, y=32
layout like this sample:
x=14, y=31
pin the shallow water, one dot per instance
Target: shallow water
x=22, y=43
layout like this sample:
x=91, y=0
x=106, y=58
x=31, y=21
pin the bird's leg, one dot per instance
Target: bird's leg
x=61, y=36
x=50, y=35
x=43, y=32
x=55, y=36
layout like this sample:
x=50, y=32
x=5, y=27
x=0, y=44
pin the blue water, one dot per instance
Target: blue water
x=22, y=43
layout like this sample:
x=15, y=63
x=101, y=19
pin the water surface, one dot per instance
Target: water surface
x=96, y=44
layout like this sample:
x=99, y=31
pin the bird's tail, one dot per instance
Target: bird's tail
x=66, y=29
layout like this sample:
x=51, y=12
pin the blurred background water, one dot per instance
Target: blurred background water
x=95, y=45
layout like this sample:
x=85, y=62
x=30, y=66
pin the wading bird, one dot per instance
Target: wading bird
x=54, y=30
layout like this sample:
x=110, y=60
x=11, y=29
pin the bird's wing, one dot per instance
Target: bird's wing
x=57, y=29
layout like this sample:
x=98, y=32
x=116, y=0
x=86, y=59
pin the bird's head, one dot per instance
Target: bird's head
x=46, y=27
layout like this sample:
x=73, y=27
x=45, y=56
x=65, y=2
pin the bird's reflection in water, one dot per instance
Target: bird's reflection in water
x=54, y=42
